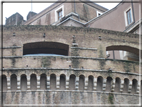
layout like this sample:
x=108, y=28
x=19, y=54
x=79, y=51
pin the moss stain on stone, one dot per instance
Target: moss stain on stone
x=110, y=98
x=46, y=62
x=101, y=61
x=75, y=61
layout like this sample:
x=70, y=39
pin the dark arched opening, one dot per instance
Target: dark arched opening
x=62, y=82
x=23, y=82
x=99, y=83
x=108, y=84
x=72, y=82
x=43, y=81
x=134, y=86
x=33, y=82
x=126, y=85
x=13, y=82
x=4, y=83
x=117, y=85
x=52, y=81
x=90, y=83
x=51, y=48
x=81, y=82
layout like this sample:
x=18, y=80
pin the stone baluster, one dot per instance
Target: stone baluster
x=18, y=83
x=77, y=83
x=121, y=85
x=95, y=84
x=38, y=82
x=58, y=82
x=48, y=82
x=113, y=85
x=86, y=84
x=8, y=83
x=67, y=82
x=130, y=87
x=104, y=84
x=28, y=82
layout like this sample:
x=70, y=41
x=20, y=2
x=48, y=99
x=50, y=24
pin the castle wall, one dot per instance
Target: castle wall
x=84, y=76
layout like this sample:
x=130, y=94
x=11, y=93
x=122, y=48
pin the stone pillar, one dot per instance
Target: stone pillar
x=18, y=83
x=58, y=83
x=121, y=85
x=77, y=83
x=130, y=87
x=28, y=82
x=86, y=83
x=113, y=85
x=138, y=88
x=67, y=82
x=38, y=82
x=8, y=83
x=48, y=82
x=95, y=84
x=104, y=84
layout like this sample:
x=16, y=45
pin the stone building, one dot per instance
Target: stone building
x=70, y=63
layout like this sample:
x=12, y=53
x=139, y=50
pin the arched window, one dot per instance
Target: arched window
x=13, y=82
x=90, y=83
x=81, y=82
x=52, y=81
x=108, y=84
x=72, y=82
x=99, y=83
x=4, y=83
x=23, y=82
x=43, y=81
x=62, y=82
x=117, y=85
x=33, y=82
x=126, y=85
x=45, y=48
x=134, y=86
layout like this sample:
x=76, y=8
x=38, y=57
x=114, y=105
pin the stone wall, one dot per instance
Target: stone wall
x=84, y=75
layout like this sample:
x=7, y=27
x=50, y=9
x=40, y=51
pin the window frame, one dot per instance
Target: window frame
x=126, y=16
x=56, y=12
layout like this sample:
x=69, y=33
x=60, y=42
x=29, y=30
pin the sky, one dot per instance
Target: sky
x=24, y=8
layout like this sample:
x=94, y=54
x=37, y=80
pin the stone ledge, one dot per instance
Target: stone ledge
x=73, y=69
x=85, y=91
x=81, y=48
x=11, y=47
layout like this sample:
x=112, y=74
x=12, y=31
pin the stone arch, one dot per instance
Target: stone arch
x=117, y=84
x=62, y=82
x=72, y=82
x=100, y=83
x=13, y=80
x=126, y=85
x=23, y=82
x=134, y=86
x=53, y=82
x=33, y=81
x=120, y=51
x=4, y=82
x=45, y=48
x=109, y=84
x=90, y=83
x=81, y=82
x=43, y=82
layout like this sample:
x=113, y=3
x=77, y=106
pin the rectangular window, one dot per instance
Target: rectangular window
x=129, y=17
x=60, y=14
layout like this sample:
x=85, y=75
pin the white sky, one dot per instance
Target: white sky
x=24, y=8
